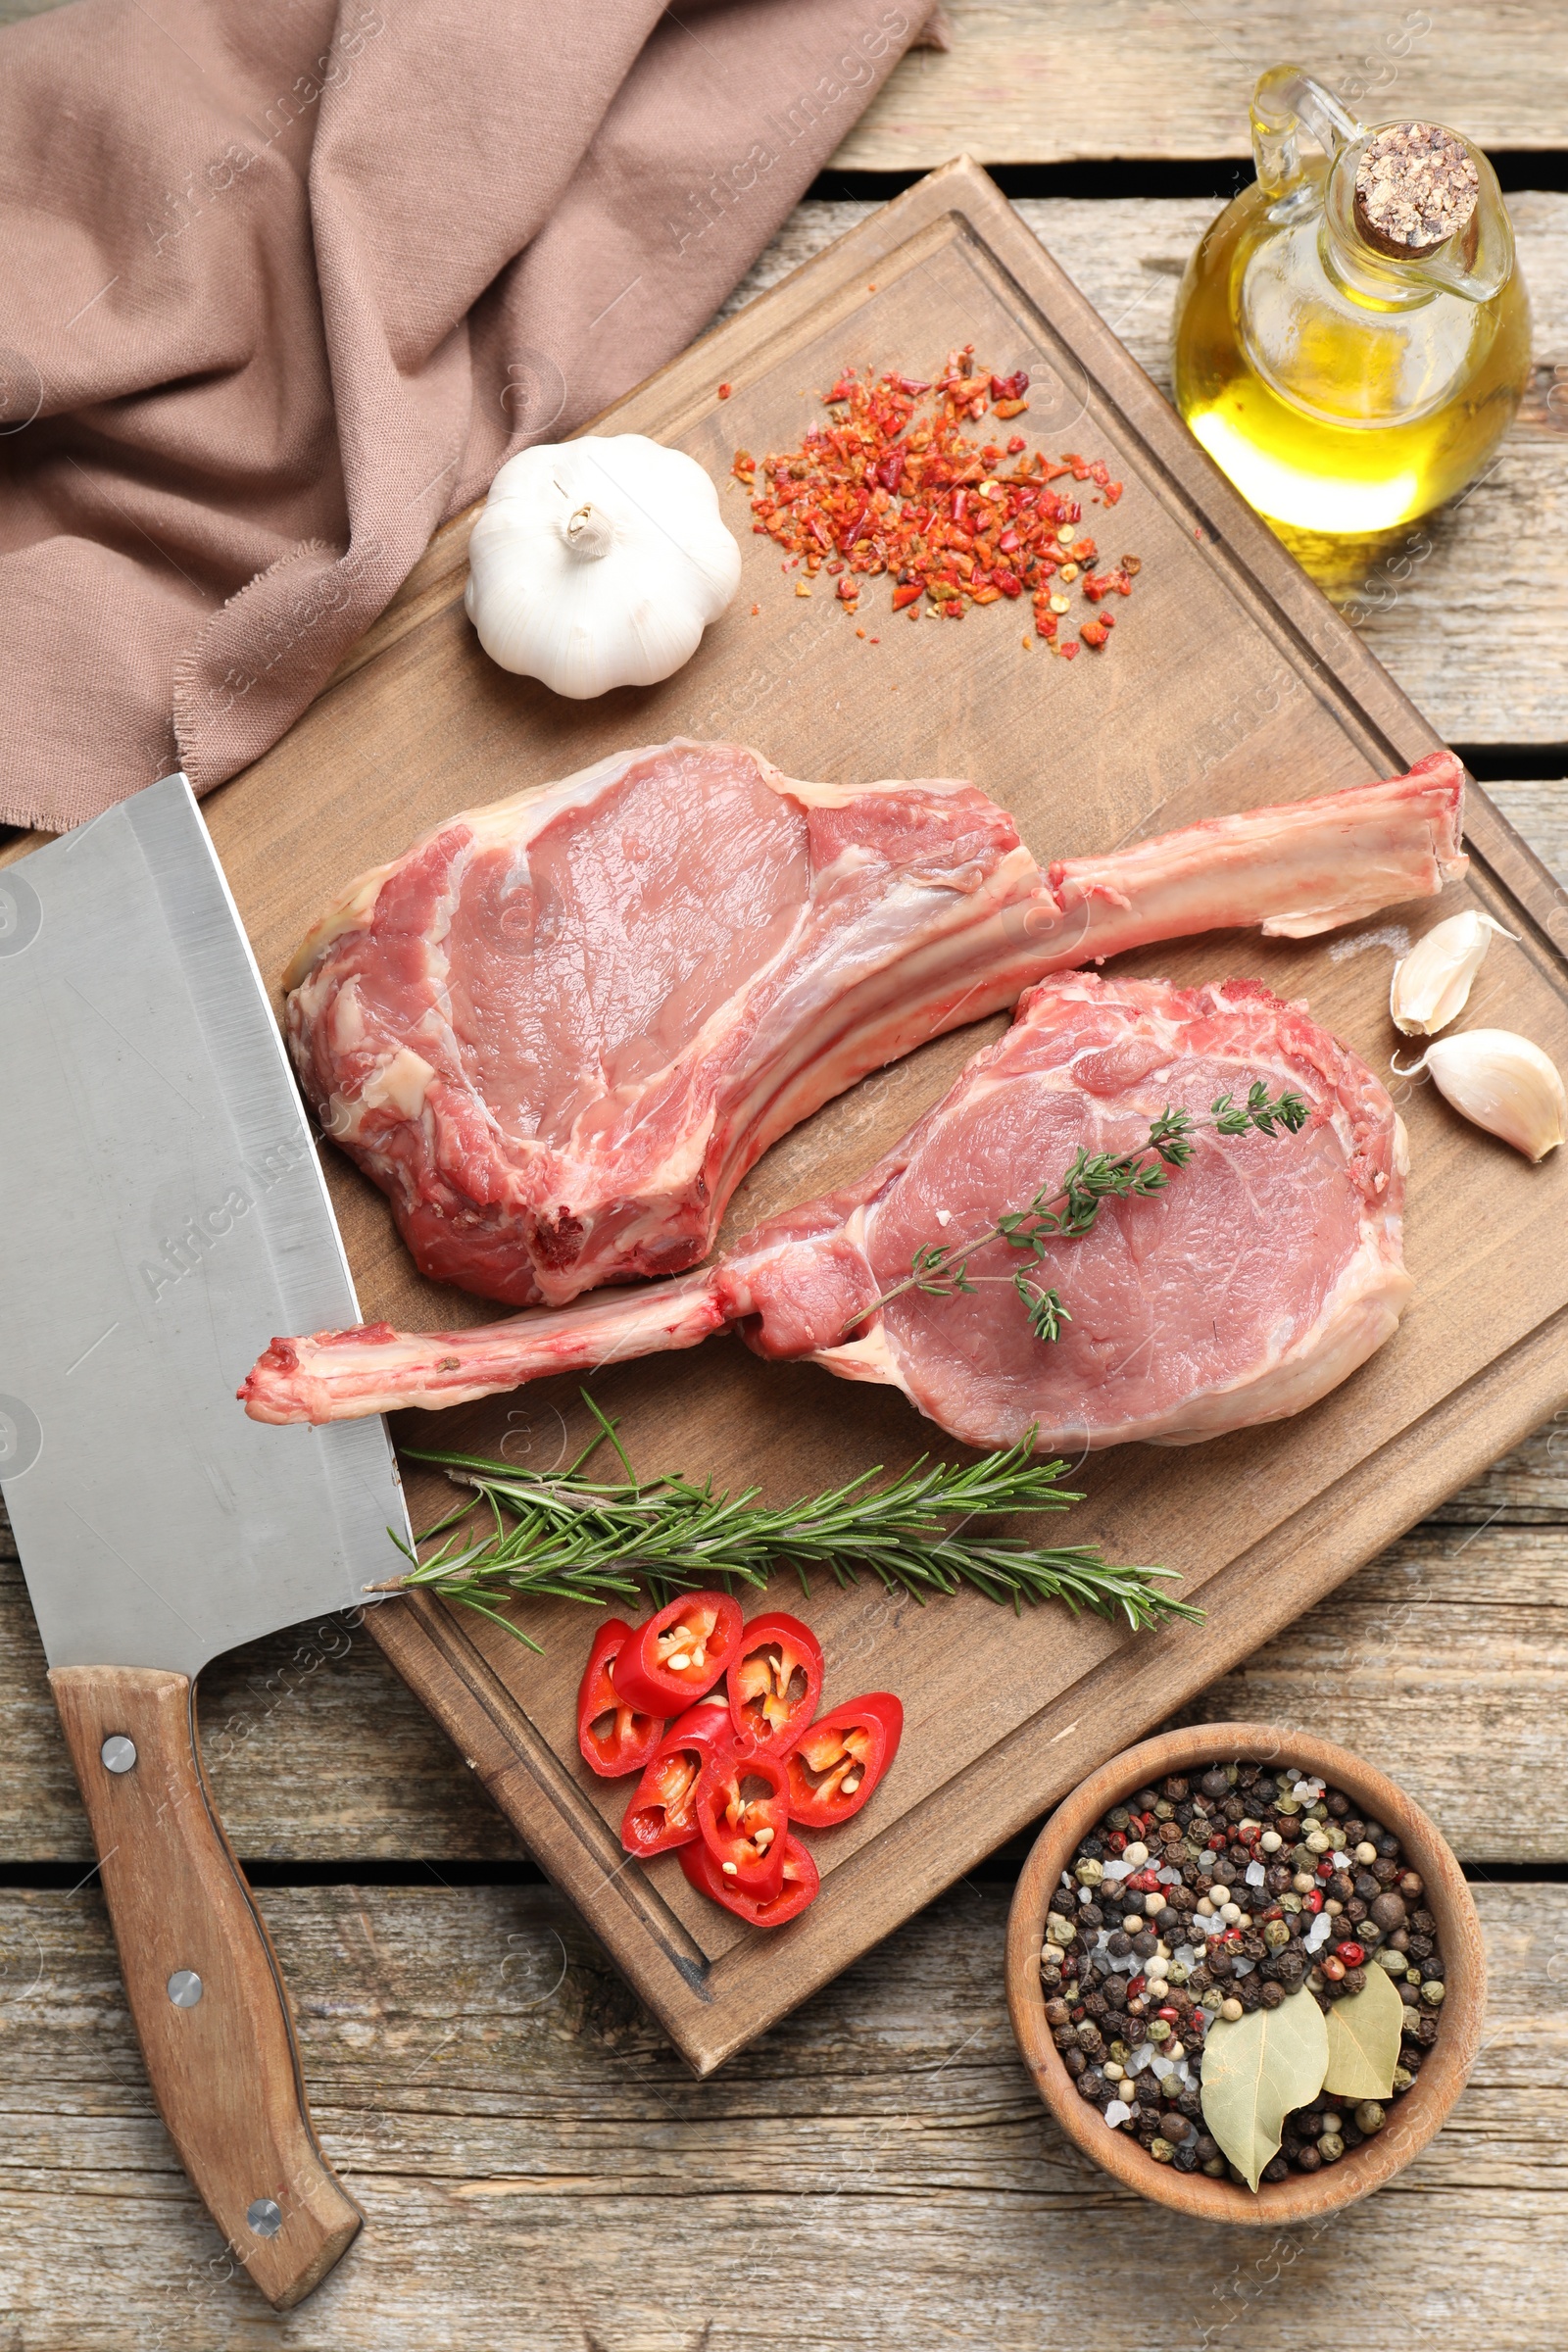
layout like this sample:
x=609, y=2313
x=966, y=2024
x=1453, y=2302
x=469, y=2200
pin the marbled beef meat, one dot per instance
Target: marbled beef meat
x=1263, y=1274
x=558, y=1030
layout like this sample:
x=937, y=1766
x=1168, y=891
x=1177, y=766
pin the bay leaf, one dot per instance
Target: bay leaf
x=1256, y=2069
x=1364, y=2041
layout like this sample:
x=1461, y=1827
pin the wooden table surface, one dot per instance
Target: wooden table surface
x=537, y=2169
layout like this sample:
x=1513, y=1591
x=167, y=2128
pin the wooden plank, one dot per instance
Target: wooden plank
x=1464, y=611
x=1529, y=1486
x=1443, y=1660
x=1127, y=254
x=536, y=2168
x=1539, y=811
x=315, y=1750
x=1444, y=1663
x=1037, y=81
x=428, y=726
x=1041, y=81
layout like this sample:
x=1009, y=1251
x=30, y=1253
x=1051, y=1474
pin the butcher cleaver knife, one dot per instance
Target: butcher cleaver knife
x=162, y=1213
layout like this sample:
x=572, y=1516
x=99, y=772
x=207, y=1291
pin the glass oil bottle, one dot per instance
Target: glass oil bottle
x=1343, y=386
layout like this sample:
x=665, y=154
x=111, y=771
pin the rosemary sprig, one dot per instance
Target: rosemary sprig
x=569, y=1537
x=1069, y=1210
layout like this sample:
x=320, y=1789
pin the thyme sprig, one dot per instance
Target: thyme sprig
x=568, y=1536
x=1066, y=1211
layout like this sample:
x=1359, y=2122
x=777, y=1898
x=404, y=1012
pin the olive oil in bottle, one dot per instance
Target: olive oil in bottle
x=1352, y=335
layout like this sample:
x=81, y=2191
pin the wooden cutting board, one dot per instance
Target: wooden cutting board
x=1230, y=681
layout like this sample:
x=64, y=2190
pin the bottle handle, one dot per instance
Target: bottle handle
x=1285, y=103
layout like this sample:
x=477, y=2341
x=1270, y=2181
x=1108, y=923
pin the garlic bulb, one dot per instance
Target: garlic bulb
x=1430, y=984
x=1503, y=1083
x=599, y=563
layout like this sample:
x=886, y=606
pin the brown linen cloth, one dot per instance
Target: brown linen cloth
x=282, y=284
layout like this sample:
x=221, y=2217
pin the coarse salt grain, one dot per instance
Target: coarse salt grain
x=1118, y=2112
x=1318, y=1933
x=1255, y=1874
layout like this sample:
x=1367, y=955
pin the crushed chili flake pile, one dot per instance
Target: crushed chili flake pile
x=892, y=484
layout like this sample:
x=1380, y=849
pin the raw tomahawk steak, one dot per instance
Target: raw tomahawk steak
x=1265, y=1272
x=559, y=1030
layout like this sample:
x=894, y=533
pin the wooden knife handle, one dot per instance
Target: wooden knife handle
x=206, y=1991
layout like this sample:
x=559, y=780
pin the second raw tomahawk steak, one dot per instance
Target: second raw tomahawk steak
x=559, y=1030
x=1263, y=1274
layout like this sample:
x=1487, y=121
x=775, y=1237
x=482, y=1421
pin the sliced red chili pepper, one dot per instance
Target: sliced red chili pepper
x=678, y=1654
x=662, y=1813
x=707, y=1723
x=798, y=1885
x=614, y=1738
x=835, y=1765
x=775, y=1681
x=743, y=1812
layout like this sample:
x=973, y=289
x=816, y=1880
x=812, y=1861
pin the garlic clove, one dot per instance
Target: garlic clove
x=1432, y=984
x=1503, y=1082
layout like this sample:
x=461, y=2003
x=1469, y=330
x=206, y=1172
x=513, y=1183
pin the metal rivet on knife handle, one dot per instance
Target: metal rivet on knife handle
x=184, y=1988
x=265, y=2216
x=119, y=1754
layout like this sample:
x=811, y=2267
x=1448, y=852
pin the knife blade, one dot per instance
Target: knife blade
x=162, y=1213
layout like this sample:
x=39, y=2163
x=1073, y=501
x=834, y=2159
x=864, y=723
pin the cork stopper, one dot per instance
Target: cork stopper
x=1415, y=187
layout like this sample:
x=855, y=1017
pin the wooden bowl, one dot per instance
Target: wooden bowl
x=1412, y=2118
